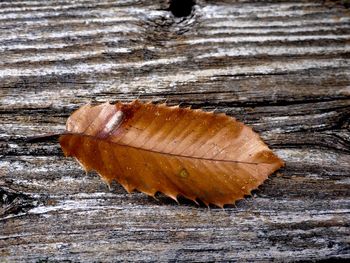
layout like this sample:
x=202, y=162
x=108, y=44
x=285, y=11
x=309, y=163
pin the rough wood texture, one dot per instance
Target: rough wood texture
x=282, y=67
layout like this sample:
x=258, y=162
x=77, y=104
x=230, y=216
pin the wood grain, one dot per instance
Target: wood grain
x=282, y=67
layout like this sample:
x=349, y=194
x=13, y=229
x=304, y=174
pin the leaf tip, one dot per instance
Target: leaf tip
x=128, y=188
x=221, y=205
x=174, y=197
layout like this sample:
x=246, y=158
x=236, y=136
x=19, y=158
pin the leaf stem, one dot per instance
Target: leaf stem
x=44, y=137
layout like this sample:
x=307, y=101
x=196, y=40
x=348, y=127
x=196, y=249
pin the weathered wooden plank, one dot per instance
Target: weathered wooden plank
x=282, y=67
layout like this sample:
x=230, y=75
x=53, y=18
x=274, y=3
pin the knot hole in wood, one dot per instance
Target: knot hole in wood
x=181, y=8
x=178, y=18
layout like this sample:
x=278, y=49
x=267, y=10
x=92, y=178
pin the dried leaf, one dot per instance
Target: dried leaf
x=176, y=151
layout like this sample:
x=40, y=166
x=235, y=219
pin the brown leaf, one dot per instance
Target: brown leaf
x=176, y=151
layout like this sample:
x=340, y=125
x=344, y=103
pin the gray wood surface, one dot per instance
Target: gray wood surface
x=282, y=67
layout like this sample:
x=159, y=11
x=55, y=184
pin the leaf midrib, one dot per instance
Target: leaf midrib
x=165, y=153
